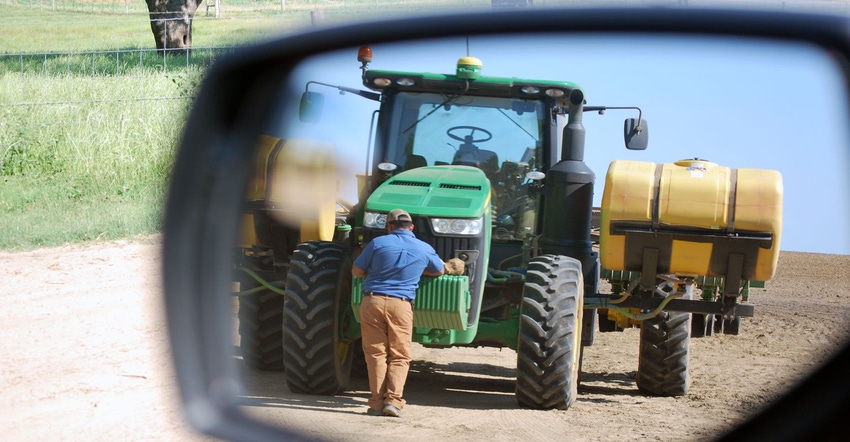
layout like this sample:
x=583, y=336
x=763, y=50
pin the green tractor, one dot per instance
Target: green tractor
x=492, y=170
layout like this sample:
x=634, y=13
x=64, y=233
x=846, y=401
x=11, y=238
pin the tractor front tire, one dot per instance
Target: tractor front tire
x=316, y=359
x=664, y=352
x=549, y=348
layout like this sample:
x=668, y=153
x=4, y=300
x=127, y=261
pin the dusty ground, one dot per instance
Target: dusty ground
x=86, y=359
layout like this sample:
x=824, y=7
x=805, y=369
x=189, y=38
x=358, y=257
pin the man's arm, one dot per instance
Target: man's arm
x=434, y=262
x=357, y=271
x=430, y=273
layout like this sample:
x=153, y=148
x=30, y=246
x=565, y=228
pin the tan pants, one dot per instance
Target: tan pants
x=387, y=329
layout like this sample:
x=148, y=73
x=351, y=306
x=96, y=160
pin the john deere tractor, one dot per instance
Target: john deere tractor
x=492, y=171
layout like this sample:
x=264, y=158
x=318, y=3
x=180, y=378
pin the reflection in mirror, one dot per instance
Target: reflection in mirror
x=509, y=154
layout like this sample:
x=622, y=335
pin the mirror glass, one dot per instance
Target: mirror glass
x=735, y=103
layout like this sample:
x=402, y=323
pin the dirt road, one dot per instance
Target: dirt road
x=85, y=350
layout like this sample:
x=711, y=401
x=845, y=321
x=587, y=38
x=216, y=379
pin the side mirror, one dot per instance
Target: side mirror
x=312, y=105
x=636, y=132
x=258, y=88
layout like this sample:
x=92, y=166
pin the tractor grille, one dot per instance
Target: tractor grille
x=410, y=183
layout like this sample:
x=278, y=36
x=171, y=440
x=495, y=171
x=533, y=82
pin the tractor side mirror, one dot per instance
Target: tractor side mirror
x=636, y=133
x=312, y=105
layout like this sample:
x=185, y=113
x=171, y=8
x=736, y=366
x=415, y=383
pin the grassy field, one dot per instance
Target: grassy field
x=91, y=118
x=91, y=114
x=86, y=157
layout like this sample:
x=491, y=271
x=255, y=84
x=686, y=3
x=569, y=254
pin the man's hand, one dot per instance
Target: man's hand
x=455, y=266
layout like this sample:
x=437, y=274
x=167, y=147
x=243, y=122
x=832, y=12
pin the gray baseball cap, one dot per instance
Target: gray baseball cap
x=398, y=215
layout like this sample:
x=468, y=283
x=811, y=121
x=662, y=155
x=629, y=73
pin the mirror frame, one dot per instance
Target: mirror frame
x=211, y=170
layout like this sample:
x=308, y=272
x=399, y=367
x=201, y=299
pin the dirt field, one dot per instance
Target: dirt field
x=86, y=359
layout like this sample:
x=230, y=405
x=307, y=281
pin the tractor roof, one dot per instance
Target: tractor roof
x=385, y=81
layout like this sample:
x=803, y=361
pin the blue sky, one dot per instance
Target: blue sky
x=751, y=104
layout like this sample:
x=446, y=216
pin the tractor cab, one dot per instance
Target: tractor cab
x=505, y=127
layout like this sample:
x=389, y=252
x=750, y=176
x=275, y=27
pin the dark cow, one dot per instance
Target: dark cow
x=171, y=23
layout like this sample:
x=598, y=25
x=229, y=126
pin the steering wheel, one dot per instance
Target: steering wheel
x=469, y=138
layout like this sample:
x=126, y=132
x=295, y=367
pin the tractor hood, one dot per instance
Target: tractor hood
x=445, y=191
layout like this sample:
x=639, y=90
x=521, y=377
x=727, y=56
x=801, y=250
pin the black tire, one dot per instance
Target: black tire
x=549, y=349
x=318, y=288
x=664, y=352
x=261, y=330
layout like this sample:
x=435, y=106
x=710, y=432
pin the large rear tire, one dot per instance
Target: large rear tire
x=261, y=330
x=316, y=359
x=664, y=352
x=549, y=349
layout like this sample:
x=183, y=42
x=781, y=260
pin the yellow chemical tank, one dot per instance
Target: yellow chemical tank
x=256, y=190
x=697, y=215
x=294, y=181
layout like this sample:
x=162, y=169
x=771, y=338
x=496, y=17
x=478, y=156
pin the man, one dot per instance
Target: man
x=392, y=265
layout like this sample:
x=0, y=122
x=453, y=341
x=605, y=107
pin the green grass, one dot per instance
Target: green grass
x=41, y=212
x=87, y=156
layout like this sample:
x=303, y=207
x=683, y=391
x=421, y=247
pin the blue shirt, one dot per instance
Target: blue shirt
x=394, y=263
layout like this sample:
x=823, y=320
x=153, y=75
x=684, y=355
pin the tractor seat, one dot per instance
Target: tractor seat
x=414, y=161
x=486, y=160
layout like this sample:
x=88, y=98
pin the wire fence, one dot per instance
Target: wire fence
x=225, y=8
x=64, y=111
x=119, y=62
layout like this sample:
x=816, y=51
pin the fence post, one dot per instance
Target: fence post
x=165, y=47
x=215, y=7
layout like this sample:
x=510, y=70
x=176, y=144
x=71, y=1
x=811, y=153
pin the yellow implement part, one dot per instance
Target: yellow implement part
x=698, y=215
